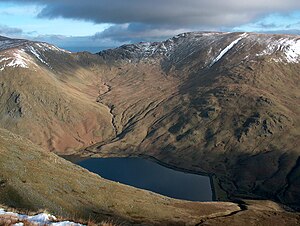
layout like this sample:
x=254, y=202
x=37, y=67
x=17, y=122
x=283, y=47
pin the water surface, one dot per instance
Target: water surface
x=149, y=175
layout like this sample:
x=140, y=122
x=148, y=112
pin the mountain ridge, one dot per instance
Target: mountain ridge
x=221, y=103
x=148, y=49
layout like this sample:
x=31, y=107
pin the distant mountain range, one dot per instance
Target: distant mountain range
x=226, y=104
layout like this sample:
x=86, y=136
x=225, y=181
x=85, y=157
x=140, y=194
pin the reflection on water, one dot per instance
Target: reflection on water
x=151, y=176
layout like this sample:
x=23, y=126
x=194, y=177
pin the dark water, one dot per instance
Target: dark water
x=151, y=176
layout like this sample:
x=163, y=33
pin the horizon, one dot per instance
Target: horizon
x=96, y=49
x=102, y=24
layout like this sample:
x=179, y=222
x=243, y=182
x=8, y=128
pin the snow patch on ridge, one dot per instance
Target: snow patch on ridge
x=46, y=47
x=149, y=49
x=39, y=219
x=19, y=53
x=292, y=50
x=227, y=48
x=18, y=60
x=37, y=55
x=289, y=47
x=12, y=56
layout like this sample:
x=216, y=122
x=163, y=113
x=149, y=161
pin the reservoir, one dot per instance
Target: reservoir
x=149, y=175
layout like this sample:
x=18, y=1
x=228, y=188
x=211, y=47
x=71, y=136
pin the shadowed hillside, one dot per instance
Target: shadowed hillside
x=222, y=103
x=34, y=179
x=226, y=104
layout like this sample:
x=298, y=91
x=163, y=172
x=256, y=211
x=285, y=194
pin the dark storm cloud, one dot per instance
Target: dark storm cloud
x=155, y=20
x=171, y=12
x=136, y=32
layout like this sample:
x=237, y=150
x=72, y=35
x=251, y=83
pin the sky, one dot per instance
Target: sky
x=100, y=24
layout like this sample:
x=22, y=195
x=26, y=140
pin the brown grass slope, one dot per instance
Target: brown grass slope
x=32, y=179
x=60, y=97
x=238, y=119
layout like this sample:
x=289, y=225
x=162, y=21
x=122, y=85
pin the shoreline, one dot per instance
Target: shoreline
x=213, y=182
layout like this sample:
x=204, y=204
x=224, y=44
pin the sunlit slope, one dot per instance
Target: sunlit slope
x=49, y=98
x=222, y=103
x=33, y=179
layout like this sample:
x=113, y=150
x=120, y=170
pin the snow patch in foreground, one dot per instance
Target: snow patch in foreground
x=39, y=219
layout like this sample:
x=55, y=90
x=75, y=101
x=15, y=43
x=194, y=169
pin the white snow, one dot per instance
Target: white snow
x=37, y=55
x=4, y=59
x=17, y=53
x=212, y=33
x=290, y=48
x=20, y=57
x=227, y=48
x=39, y=219
x=18, y=60
x=47, y=47
x=13, y=43
x=148, y=49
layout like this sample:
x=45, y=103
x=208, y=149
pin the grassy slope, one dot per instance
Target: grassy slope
x=62, y=101
x=34, y=179
x=238, y=119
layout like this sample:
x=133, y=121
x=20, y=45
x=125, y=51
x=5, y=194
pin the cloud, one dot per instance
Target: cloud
x=9, y=31
x=176, y=13
x=155, y=20
x=137, y=32
x=77, y=41
x=291, y=25
x=264, y=25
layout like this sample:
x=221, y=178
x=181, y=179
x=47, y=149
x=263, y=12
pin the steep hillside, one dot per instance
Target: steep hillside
x=222, y=103
x=41, y=82
x=33, y=179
